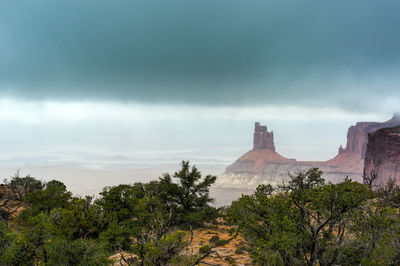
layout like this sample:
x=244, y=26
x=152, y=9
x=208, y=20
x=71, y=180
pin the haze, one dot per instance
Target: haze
x=113, y=85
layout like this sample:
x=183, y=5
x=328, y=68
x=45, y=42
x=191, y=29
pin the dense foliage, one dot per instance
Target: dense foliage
x=309, y=222
x=142, y=223
x=302, y=222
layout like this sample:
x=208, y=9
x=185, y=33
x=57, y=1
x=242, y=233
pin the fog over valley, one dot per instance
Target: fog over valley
x=98, y=94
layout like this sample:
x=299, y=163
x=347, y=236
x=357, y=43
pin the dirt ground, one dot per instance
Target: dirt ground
x=231, y=253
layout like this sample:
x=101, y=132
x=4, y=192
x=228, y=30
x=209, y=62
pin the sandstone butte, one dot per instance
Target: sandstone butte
x=263, y=165
x=382, y=158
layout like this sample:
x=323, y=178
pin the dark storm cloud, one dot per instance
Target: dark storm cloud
x=203, y=52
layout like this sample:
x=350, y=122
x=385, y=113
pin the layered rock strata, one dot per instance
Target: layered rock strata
x=382, y=160
x=264, y=165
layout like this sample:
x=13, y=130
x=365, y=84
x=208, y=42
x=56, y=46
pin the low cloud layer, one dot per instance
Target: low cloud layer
x=102, y=134
x=338, y=54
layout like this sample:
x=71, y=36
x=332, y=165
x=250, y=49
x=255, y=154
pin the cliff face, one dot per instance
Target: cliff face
x=264, y=165
x=383, y=156
x=357, y=136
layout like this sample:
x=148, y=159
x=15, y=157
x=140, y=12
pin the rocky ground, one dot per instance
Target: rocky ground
x=224, y=252
x=232, y=253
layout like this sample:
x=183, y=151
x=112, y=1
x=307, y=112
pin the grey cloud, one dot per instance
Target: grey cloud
x=200, y=52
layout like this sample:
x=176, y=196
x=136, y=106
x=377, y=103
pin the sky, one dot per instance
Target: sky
x=118, y=84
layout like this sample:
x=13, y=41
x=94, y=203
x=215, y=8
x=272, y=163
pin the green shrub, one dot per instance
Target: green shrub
x=222, y=242
x=204, y=249
x=214, y=239
x=230, y=260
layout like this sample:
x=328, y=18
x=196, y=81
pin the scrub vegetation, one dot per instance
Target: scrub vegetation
x=302, y=222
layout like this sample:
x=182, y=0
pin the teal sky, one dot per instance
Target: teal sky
x=169, y=80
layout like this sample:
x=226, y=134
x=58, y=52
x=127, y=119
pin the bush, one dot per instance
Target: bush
x=222, y=242
x=77, y=252
x=6, y=238
x=307, y=221
x=148, y=220
x=230, y=260
x=214, y=239
x=240, y=249
x=204, y=249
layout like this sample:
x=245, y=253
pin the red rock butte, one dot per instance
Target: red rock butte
x=263, y=139
x=263, y=164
